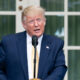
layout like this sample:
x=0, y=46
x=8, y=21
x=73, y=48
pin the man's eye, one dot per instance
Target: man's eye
x=31, y=21
x=38, y=19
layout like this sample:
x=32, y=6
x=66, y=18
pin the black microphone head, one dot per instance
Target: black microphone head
x=34, y=40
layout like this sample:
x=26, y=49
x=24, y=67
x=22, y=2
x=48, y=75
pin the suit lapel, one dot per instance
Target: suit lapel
x=45, y=47
x=21, y=43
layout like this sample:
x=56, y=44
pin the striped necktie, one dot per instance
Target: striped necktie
x=32, y=61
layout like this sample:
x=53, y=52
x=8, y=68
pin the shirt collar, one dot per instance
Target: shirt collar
x=29, y=38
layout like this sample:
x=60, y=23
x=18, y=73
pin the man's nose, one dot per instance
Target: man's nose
x=36, y=23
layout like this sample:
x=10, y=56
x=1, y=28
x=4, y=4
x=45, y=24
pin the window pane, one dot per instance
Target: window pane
x=7, y=5
x=7, y=25
x=74, y=30
x=74, y=65
x=52, y=5
x=55, y=25
x=74, y=5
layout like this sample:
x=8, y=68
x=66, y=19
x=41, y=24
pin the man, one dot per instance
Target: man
x=16, y=49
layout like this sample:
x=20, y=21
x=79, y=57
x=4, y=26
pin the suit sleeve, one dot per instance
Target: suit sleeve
x=60, y=68
x=2, y=63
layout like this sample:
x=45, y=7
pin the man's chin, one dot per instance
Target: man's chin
x=38, y=35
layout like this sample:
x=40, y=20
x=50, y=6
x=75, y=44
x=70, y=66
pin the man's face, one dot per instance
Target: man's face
x=35, y=25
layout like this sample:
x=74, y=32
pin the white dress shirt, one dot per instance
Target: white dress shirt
x=29, y=51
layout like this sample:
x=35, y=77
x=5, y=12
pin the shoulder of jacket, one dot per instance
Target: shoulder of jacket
x=52, y=38
x=12, y=36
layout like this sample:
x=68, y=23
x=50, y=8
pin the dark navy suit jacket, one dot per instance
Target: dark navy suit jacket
x=13, y=58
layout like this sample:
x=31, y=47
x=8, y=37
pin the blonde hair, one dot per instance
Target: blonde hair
x=32, y=10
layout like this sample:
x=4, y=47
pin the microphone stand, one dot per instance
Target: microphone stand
x=34, y=60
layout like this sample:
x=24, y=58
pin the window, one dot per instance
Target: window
x=7, y=19
x=63, y=20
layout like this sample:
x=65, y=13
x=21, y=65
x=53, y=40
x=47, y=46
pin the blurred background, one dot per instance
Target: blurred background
x=63, y=20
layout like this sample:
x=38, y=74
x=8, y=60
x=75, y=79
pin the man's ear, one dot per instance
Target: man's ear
x=45, y=22
x=24, y=21
x=24, y=24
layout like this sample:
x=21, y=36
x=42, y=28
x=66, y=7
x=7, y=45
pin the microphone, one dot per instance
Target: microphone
x=34, y=40
x=34, y=43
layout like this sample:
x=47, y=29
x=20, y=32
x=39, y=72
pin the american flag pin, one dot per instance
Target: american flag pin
x=47, y=47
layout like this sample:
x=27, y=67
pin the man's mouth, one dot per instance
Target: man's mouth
x=37, y=30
